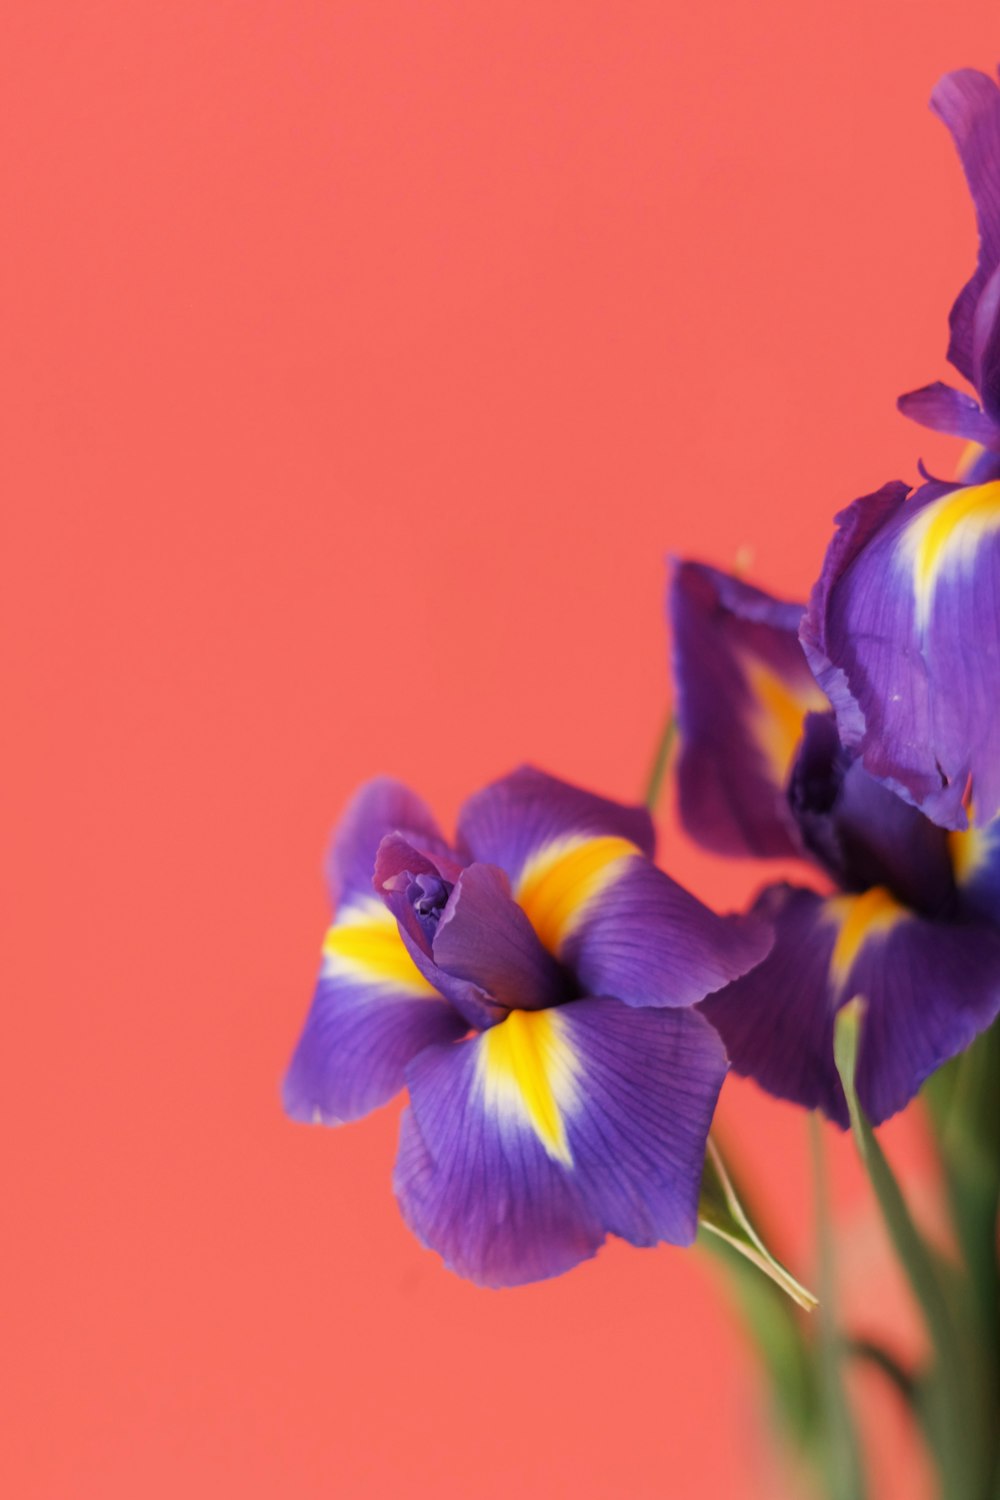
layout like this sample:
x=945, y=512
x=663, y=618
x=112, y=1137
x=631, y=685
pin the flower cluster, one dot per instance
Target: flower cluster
x=562, y=1013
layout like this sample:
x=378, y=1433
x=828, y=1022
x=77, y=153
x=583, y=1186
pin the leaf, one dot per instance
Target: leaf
x=721, y=1213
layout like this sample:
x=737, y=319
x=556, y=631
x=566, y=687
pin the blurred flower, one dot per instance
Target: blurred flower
x=763, y=771
x=532, y=987
x=969, y=104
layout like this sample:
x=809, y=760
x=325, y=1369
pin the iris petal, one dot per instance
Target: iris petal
x=379, y=807
x=969, y=104
x=904, y=633
x=486, y=938
x=647, y=941
x=930, y=988
x=743, y=690
x=372, y=1011
x=524, y=1147
x=514, y=819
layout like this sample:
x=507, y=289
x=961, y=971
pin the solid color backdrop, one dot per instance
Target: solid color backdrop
x=363, y=361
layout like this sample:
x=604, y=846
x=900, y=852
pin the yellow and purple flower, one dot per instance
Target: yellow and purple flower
x=911, y=921
x=533, y=989
x=903, y=633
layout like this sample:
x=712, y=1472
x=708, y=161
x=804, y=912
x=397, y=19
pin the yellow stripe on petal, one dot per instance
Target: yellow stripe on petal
x=971, y=454
x=557, y=883
x=528, y=1070
x=947, y=534
x=971, y=848
x=778, y=715
x=859, y=918
x=364, y=944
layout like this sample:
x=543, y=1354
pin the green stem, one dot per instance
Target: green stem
x=952, y=1403
x=843, y=1470
x=661, y=759
x=966, y=1119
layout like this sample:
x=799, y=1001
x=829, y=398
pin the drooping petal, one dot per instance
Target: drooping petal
x=903, y=631
x=777, y=1022
x=743, y=689
x=944, y=409
x=486, y=938
x=648, y=942
x=932, y=989
x=929, y=988
x=524, y=1147
x=379, y=807
x=372, y=1012
x=969, y=104
x=525, y=816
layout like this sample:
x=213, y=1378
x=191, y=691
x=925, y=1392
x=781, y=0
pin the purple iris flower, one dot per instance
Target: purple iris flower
x=969, y=104
x=909, y=917
x=532, y=987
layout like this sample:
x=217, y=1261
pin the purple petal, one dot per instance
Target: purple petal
x=402, y=875
x=379, y=807
x=860, y=831
x=485, y=937
x=372, y=1012
x=969, y=104
x=944, y=409
x=525, y=1147
x=907, y=589
x=648, y=942
x=743, y=690
x=777, y=1022
x=514, y=819
x=929, y=988
x=476, y=1183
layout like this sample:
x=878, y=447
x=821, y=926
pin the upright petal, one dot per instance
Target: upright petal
x=524, y=1147
x=379, y=807
x=929, y=987
x=418, y=893
x=743, y=690
x=527, y=815
x=371, y=1013
x=484, y=937
x=969, y=104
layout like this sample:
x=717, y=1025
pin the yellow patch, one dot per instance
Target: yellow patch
x=528, y=1070
x=778, y=715
x=557, y=883
x=364, y=943
x=946, y=534
x=971, y=848
x=860, y=918
x=971, y=453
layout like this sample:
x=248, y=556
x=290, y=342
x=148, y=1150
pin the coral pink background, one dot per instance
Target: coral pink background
x=363, y=362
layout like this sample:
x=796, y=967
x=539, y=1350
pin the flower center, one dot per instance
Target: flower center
x=428, y=895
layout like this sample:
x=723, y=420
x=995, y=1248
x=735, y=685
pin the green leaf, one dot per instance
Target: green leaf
x=950, y=1395
x=661, y=760
x=721, y=1213
x=843, y=1468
